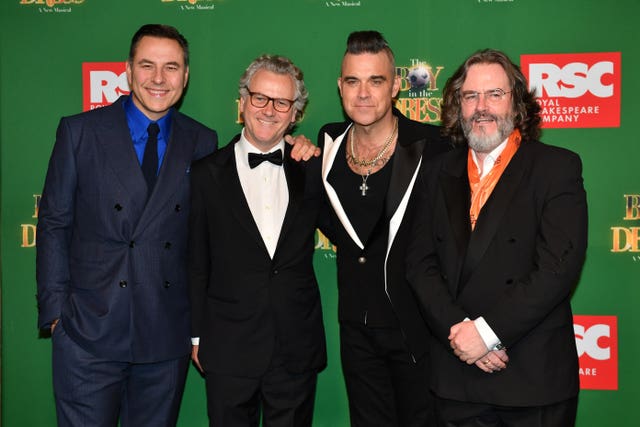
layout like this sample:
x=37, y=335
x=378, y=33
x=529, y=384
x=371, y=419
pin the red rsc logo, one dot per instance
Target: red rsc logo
x=576, y=90
x=597, y=343
x=103, y=83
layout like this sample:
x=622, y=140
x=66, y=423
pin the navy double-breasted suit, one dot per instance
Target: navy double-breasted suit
x=111, y=265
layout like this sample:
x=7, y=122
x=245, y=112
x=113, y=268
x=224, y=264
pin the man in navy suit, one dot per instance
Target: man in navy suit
x=257, y=318
x=111, y=272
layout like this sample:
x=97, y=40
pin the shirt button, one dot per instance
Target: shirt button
x=362, y=260
x=123, y=283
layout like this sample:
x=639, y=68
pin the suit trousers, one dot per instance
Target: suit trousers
x=94, y=392
x=385, y=386
x=281, y=398
x=452, y=413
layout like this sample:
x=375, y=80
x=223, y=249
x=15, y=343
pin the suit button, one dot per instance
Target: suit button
x=178, y=208
x=167, y=245
x=118, y=207
x=132, y=244
x=167, y=284
x=123, y=283
x=276, y=272
x=362, y=260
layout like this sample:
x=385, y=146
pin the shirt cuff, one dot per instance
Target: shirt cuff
x=195, y=340
x=489, y=337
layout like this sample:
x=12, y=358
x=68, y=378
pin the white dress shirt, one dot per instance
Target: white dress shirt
x=266, y=191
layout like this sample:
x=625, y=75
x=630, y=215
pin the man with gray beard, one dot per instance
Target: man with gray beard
x=500, y=236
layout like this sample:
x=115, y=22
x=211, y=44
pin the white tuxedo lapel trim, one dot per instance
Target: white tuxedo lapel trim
x=396, y=220
x=331, y=148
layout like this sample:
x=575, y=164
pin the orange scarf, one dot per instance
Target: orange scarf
x=481, y=189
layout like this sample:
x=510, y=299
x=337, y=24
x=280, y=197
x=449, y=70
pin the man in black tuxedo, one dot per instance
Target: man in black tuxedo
x=112, y=240
x=500, y=232
x=257, y=318
x=370, y=164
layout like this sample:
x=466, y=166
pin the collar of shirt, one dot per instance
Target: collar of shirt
x=138, y=124
x=245, y=147
x=490, y=158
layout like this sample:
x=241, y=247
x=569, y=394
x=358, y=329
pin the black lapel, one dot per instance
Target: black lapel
x=454, y=182
x=225, y=174
x=492, y=213
x=407, y=155
x=294, y=172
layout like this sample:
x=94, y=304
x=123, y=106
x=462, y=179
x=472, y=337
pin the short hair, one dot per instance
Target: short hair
x=524, y=105
x=161, y=31
x=369, y=41
x=280, y=65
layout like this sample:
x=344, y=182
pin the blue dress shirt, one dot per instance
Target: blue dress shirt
x=138, y=124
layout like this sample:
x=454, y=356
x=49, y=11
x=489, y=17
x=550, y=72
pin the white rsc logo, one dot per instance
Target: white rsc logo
x=587, y=341
x=571, y=81
x=107, y=85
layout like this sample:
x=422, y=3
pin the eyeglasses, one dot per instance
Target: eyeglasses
x=259, y=100
x=492, y=96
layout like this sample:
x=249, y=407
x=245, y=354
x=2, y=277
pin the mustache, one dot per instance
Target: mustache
x=482, y=115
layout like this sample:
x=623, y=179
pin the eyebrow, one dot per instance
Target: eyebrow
x=148, y=61
x=373, y=77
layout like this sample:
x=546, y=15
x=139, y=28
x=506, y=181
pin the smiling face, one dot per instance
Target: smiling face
x=486, y=124
x=264, y=127
x=157, y=75
x=367, y=87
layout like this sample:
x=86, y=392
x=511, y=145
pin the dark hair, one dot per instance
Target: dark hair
x=369, y=41
x=525, y=107
x=161, y=31
x=279, y=65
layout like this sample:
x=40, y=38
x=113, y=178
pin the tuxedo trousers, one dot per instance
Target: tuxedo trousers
x=279, y=397
x=385, y=386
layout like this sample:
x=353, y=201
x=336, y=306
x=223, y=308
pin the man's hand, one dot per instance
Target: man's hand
x=303, y=148
x=493, y=361
x=466, y=342
x=194, y=357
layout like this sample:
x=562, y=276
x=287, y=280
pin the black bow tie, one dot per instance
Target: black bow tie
x=274, y=157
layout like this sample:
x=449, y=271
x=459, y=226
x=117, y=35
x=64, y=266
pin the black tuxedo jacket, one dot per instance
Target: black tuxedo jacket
x=245, y=304
x=416, y=144
x=517, y=268
x=110, y=264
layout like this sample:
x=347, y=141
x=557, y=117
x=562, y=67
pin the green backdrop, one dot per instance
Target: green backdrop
x=44, y=43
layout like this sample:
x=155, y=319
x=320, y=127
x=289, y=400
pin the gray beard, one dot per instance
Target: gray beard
x=483, y=143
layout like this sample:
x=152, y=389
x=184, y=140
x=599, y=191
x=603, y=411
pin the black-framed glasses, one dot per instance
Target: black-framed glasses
x=259, y=100
x=493, y=96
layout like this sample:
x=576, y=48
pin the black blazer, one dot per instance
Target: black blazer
x=417, y=142
x=518, y=269
x=245, y=303
x=110, y=264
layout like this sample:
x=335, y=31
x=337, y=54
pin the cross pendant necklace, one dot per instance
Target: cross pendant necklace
x=364, y=187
